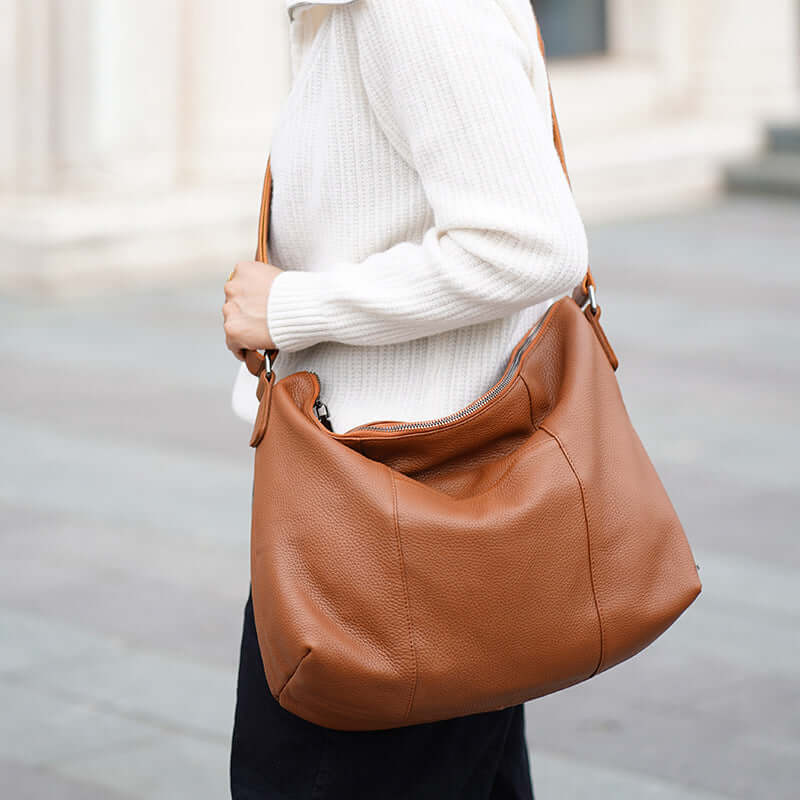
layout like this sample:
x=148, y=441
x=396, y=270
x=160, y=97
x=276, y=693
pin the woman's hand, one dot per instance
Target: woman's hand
x=245, y=308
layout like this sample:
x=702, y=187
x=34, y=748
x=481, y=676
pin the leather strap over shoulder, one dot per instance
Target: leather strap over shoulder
x=255, y=361
x=581, y=292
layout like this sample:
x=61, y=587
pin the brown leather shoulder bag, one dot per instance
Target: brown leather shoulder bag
x=405, y=572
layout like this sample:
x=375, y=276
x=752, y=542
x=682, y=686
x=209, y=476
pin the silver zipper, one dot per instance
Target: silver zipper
x=320, y=409
x=479, y=403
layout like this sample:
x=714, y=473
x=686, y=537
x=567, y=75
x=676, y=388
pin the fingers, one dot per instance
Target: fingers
x=232, y=340
x=234, y=347
x=245, y=292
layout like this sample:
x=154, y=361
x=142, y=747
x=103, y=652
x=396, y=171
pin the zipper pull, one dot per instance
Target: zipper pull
x=321, y=410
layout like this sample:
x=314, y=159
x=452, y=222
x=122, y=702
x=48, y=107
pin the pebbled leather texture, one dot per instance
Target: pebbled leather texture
x=402, y=577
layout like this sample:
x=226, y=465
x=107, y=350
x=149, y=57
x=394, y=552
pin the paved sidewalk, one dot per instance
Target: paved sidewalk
x=124, y=517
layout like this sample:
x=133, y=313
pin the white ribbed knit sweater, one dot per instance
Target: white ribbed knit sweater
x=419, y=208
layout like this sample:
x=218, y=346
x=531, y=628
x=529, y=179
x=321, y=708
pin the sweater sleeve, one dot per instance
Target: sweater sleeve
x=449, y=82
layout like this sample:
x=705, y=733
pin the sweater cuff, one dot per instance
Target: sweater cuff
x=296, y=318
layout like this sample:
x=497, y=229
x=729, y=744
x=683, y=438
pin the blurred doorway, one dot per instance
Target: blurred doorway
x=572, y=28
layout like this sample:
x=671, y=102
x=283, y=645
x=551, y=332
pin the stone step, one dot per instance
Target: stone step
x=774, y=173
x=784, y=138
x=654, y=166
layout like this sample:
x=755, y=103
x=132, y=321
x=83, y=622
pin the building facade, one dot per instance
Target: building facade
x=137, y=132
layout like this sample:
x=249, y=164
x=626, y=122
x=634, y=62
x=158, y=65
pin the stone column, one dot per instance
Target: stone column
x=657, y=34
x=746, y=56
x=720, y=56
x=232, y=86
x=27, y=92
x=138, y=137
x=116, y=95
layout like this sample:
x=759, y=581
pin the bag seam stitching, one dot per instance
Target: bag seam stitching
x=404, y=580
x=292, y=674
x=597, y=603
x=530, y=400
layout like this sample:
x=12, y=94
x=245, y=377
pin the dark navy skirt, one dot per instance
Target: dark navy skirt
x=276, y=754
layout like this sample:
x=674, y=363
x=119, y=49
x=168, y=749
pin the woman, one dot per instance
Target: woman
x=421, y=223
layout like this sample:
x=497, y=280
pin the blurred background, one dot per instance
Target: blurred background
x=131, y=162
